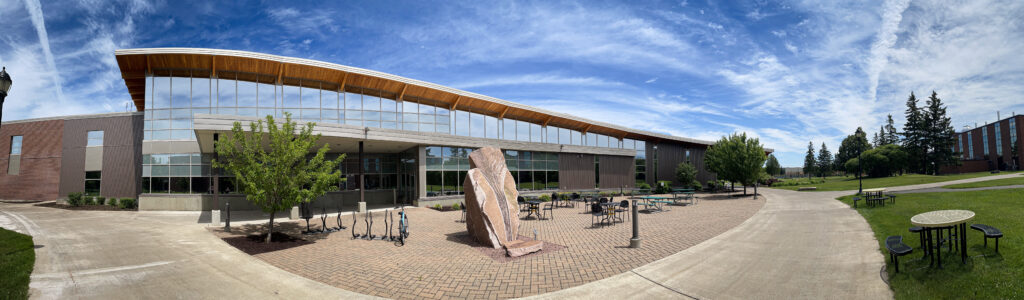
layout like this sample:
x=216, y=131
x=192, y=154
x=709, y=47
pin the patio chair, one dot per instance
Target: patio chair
x=548, y=208
x=623, y=208
x=463, y=207
x=920, y=233
x=596, y=211
x=896, y=249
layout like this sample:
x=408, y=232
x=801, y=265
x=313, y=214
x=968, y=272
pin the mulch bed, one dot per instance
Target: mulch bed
x=82, y=207
x=499, y=254
x=256, y=243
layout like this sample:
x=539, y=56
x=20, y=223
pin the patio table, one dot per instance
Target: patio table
x=871, y=195
x=534, y=208
x=610, y=208
x=935, y=220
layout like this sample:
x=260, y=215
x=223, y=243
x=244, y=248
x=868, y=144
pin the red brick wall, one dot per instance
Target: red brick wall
x=39, y=177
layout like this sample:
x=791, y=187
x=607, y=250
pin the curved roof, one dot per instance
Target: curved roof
x=136, y=63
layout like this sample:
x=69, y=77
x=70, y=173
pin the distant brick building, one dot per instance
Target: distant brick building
x=988, y=147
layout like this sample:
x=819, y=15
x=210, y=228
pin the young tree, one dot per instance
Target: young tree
x=274, y=169
x=914, y=135
x=736, y=158
x=875, y=141
x=772, y=167
x=938, y=136
x=824, y=161
x=686, y=174
x=810, y=164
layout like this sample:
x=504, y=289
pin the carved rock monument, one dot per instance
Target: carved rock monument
x=492, y=213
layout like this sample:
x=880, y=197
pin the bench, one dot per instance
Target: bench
x=855, y=199
x=808, y=188
x=896, y=249
x=990, y=232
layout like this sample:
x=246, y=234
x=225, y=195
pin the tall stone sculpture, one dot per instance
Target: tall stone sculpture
x=492, y=213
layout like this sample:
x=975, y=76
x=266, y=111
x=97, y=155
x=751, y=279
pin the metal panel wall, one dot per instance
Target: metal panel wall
x=617, y=171
x=576, y=171
x=122, y=155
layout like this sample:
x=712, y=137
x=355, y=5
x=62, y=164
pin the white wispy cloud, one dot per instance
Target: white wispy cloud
x=652, y=80
x=535, y=79
x=35, y=10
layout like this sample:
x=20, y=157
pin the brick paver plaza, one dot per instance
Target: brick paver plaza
x=441, y=261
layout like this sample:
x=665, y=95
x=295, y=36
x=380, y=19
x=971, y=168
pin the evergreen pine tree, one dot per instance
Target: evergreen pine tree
x=876, y=141
x=891, y=136
x=938, y=136
x=913, y=136
x=824, y=161
x=809, y=161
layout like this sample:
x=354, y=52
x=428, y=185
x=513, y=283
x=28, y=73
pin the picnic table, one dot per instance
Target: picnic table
x=874, y=195
x=657, y=202
x=944, y=219
x=678, y=196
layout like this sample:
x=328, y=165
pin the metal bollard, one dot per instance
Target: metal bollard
x=227, y=220
x=635, y=241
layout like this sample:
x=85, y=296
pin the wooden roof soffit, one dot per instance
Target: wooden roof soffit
x=341, y=88
x=502, y=115
x=213, y=66
x=548, y=120
x=280, y=72
x=588, y=128
x=149, y=66
x=457, y=100
x=402, y=93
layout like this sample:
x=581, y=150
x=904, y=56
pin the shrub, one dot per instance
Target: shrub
x=112, y=202
x=89, y=200
x=75, y=199
x=437, y=206
x=696, y=185
x=545, y=198
x=456, y=206
x=712, y=184
x=101, y=200
x=663, y=187
x=127, y=203
x=643, y=185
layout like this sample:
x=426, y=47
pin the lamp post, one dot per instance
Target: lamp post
x=860, y=171
x=5, y=85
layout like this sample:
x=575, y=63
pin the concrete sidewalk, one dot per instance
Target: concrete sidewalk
x=799, y=246
x=131, y=255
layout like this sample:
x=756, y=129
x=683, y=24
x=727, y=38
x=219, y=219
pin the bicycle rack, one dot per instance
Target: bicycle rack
x=323, y=221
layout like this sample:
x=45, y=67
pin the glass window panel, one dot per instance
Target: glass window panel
x=552, y=180
x=248, y=112
x=602, y=141
x=410, y=118
x=388, y=105
x=310, y=113
x=182, y=159
x=200, y=185
x=290, y=99
x=331, y=114
x=161, y=92
x=266, y=95
x=564, y=136
x=577, y=137
x=246, y=94
x=525, y=180
x=353, y=122
x=180, y=170
x=491, y=127
x=161, y=170
x=427, y=110
x=148, y=135
x=180, y=185
x=264, y=112
x=196, y=170
x=329, y=100
x=310, y=97
x=181, y=134
x=373, y=124
x=426, y=127
x=433, y=151
x=181, y=88
x=353, y=101
x=149, y=92
x=628, y=144
x=388, y=116
x=226, y=93
x=181, y=123
x=161, y=135
x=371, y=115
x=522, y=131
x=442, y=129
x=92, y=187
x=145, y=185
x=202, y=110
x=410, y=126
x=591, y=139
x=159, y=184
x=476, y=125
x=535, y=133
x=461, y=123
x=371, y=103
x=200, y=92
x=434, y=183
x=509, y=126
x=552, y=135
x=451, y=183
x=160, y=114
x=181, y=113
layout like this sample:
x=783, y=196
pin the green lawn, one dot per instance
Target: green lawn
x=841, y=183
x=987, y=275
x=17, y=255
x=997, y=182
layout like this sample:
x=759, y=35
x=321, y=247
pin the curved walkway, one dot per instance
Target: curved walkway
x=799, y=246
x=938, y=186
x=115, y=255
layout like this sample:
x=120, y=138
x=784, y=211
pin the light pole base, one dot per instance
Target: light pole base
x=635, y=243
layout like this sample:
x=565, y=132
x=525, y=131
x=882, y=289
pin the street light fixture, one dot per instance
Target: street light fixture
x=5, y=85
x=860, y=171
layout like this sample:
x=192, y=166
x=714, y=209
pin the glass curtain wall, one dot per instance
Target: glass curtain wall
x=999, y=141
x=446, y=169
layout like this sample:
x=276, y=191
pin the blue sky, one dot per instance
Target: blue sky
x=787, y=72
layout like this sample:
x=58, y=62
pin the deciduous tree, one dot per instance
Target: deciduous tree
x=275, y=168
x=772, y=167
x=736, y=158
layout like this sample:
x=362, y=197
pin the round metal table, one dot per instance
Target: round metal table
x=936, y=220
